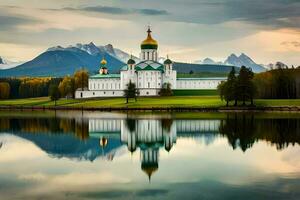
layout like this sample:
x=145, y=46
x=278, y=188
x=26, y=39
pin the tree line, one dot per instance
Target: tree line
x=278, y=84
x=246, y=86
x=27, y=87
x=240, y=88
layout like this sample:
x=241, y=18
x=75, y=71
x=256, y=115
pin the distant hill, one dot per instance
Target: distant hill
x=198, y=68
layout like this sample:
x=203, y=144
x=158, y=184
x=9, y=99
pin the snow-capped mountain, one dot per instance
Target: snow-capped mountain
x=92, y=49
x=243, y=60
x=234, y=60
x=5, y=64
x=60, y=61
x=208, y=61
x=118, y=53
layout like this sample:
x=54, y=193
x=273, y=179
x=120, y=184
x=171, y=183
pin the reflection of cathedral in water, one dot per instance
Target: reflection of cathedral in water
x=150, y=135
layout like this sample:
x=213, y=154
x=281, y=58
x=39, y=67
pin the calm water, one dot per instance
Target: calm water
x=93, y=155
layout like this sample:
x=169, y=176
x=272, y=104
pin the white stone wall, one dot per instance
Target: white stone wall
x=197, y=84
x=197, y=126
x=149, y=92
x=95, y=93
x=104, y=125
x=127, y=76
x=149, y=79
x=170, y=77
x=104, y=84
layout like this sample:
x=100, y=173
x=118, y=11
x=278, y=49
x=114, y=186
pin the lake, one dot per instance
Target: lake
x=97, y=155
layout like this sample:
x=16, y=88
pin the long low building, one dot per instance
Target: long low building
x=149, y=76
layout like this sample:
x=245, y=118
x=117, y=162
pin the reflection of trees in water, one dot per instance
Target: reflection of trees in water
x=243, y=130
x=239, y=130
x=46, y=125
x=82, y=129
x=280, y=132
x=167, y=124
x=130, y=124
x=4, y=124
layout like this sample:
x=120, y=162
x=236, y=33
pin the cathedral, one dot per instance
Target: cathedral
x=149, y=76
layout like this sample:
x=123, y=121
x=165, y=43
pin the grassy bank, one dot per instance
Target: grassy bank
x=143, y=102
x=195, y=92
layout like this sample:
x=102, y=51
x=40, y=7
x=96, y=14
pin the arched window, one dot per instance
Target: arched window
x=148, y=55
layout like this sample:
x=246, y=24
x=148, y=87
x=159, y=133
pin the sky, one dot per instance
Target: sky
x=187, y=30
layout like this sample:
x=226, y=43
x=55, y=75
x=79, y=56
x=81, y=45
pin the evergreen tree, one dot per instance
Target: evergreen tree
x=245, y=88
x=166, y=90
x=227, y=89
x=54, y=92
x=130, y=91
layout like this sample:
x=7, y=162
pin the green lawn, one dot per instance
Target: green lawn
x=195, y=92
x=145, y=102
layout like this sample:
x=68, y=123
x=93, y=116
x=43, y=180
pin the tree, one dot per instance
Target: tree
x=166, y=90
x=245, y=88
x=221, y=89
x=66, y=87
x=54, y=92
x=81, y=79
x=227, y=89
x=4, y=90
x=131, y=91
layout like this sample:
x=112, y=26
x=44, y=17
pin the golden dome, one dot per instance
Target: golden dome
x=103, y=62
x=149, y=43
x=149, y=169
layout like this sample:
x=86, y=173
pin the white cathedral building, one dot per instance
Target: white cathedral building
x=149, y=76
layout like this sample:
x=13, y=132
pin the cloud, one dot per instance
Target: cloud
x=267, y=14
x=9, y=22
x=295, y=44
x=118, y=10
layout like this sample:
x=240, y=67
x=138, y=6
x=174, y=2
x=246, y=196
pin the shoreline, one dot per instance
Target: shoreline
x=157, y=108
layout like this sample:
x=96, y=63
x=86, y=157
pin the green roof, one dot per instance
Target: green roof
x=98, y=76
x=149, y=46
x=168, y=61
x=149, y=65
x=130, y=61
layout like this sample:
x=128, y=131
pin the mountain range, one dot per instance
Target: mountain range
x=60, y=61
x=238, y=61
